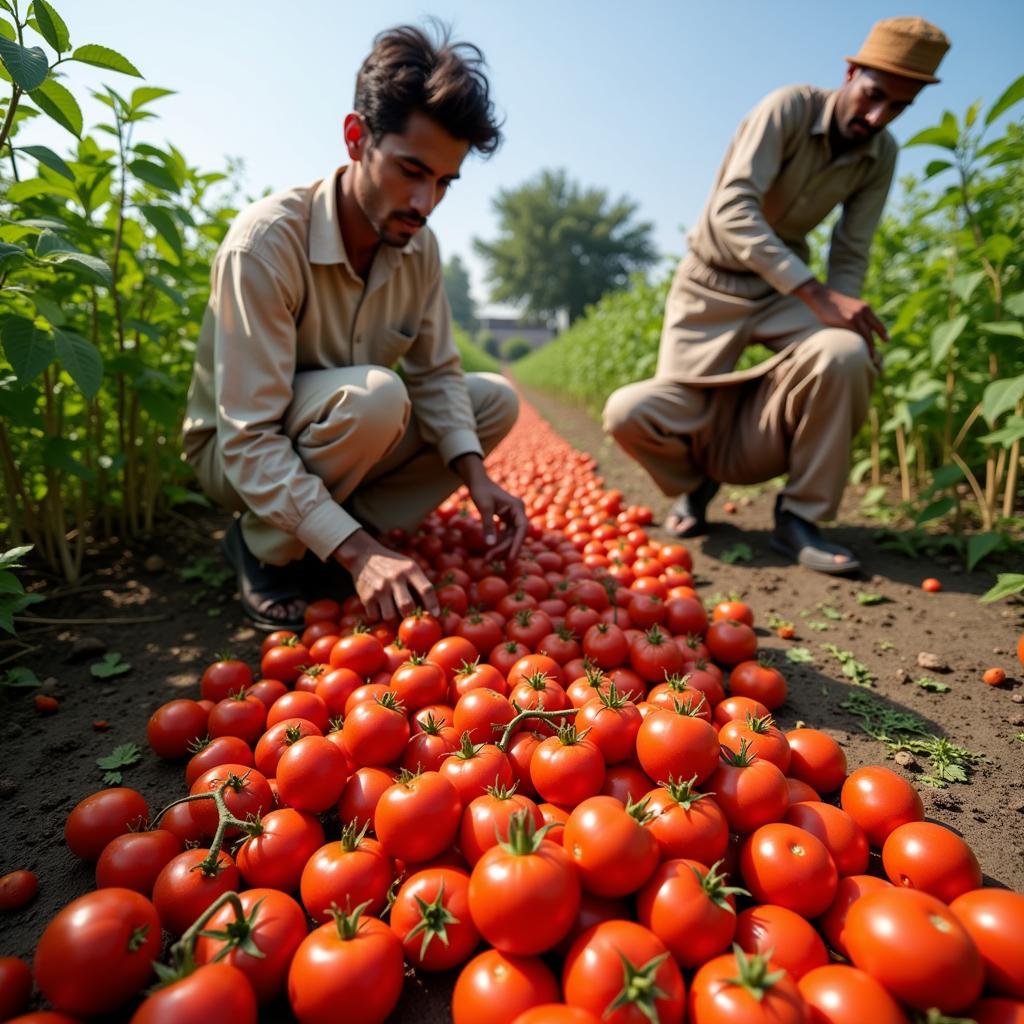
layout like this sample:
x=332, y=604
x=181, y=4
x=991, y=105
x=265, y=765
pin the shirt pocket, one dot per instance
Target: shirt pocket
x=388, y=345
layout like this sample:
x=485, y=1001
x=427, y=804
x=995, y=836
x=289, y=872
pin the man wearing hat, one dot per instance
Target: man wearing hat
x=698, y=423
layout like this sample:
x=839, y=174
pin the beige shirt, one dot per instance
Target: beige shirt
x=778, y=182
x=285, y=299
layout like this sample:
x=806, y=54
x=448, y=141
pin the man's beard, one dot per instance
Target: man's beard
x=410, y=221
x=859, y=136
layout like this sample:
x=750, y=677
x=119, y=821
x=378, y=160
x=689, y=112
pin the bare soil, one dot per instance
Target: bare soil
x=134, y=601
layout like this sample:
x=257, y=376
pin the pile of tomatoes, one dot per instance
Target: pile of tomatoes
x=568, y=788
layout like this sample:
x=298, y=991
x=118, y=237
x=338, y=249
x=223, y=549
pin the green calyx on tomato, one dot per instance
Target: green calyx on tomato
x=523, y=838
x=182, y=953
x=568, y=736
x=687, y=707
x=760, y=725
x=238, y=934
x=500, y=791
x=430, y=725
x=434, y=920
x=640, y=988
x=405, y=776
x=713, y=884
x=467, y=748
x=348, y=922
x=638, y=810
x=754, y=975
x=741, y=758
x=199, y=743
x=682, y=791
x=352, y=835
x=656, y=637
x=611, y=698
x=390, y=700
x=537, y=681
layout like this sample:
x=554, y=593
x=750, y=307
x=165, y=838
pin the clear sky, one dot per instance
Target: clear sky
x=640, y=99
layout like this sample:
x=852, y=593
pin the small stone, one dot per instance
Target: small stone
x=1018, y=806
x=932, y=662
x=1017, y=698
x=902, y=675
x=49, y=685
x=905, y=759
x=1016, y=720
x=86, y=647
x=998, y=650
x=154, y=563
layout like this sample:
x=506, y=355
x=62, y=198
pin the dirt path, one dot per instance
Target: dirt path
x=49, y=763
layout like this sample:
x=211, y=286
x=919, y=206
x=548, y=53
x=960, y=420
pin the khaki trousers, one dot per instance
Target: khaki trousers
x=797, y=413
x=354, y=427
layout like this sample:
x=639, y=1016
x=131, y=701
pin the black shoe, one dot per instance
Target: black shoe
x=801, y=541
x=260, y=585
x=691, y=509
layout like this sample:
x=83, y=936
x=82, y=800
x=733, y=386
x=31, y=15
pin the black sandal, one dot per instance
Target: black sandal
x=801, y=541
x=691, y=506
x=261, y=585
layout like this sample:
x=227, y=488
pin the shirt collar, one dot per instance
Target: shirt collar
x=821, y=122
x=325, y=242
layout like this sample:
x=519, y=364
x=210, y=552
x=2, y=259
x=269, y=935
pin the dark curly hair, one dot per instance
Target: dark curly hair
x=407, y=70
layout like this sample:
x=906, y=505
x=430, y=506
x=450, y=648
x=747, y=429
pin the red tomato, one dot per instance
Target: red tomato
x=246, y=792
x=351, y=870
x=17, y=888
x=241, y=715
x=361, y=652
x=594, y=969
x=267, y=691
x=731, y=642
x=833, y=922
x=376, y=732
x=737, y=708
x=417, y=818
x=566, y=769
x=98, y=818
x=277, y=739
x=311, y=775
x=787, y=938
x=178, y=820
x=135, y=859
x=174, y=726
x=493, y=988
x=785, y=865
x=418, y=683
x=524, y=892
x=690, y=908
x=687, y=825
x=751, y=793
x=759, y=681
x=15, y=986
x=431, y=918
x=353, y=962
x=222, y=750
x=946, y=969
x=287, y=661
x=557, y=1013
x=419, y=631
x=879, y=801
x=274, y=858
x=184, y=888
x=483, y=713
x=362, y=791
x=994, y=918
x=923, y=855
x=299, y=704
x=685, y=615
x=429, y=744
x=212, y=992
x=838, y=994
x=841, y=835
x=734, y=987
x=98, y=952
x=654, y=657
x=737, y=611
x=453, y=654
x=990, y=1010
x=486, y=820
x=475, y=767
x=610, y=847
x=677, y=744
x=272, y=922
x=763, y=737
x=816, y=759
x=625, y=782
x=223, y=678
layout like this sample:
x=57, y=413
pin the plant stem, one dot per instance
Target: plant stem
x=523, y=716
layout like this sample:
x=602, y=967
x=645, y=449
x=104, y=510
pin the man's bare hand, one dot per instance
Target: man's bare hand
x=389, y=584
x=494, y=503
x=834, y=309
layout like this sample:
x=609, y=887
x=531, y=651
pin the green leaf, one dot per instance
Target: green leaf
x=50, y=242
x=942, y=478
x=29, y=349
x=934, y=167
x=739, y=552
x=1012, y=430
x=927, y=683
x=122, y=756
x=12, y=557
x=27, y=65
x=112, y=778
x=11, y=605
x=56, y=101
x=166, y=228
x=1007, y=584
x=1014, y=94
x=9, y=583
x=20, y=678
x=945, y=135
x=7, y=31
x=935, y=510
x=59, y=453
x=944, y=336
x=830, y=613
x=799, y=656
x=51, y=26
x=964, y=285
x=153, y=174
x=998, y=247
x=147, y=94
x=104, y=57
x=1006, y=328
x=980, y=545
x=10, y=252
x=1000, y=396
x=1015, y=303
x=50, y=159
x=90, y=267
x=110, y=665
x=82, y=360
x=869, y=599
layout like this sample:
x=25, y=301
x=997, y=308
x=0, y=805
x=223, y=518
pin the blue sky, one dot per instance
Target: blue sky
x=640, y=103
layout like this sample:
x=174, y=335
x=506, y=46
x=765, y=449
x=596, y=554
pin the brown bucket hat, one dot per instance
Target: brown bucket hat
x=911, y=47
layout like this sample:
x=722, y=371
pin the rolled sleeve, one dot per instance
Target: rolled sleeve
x=254, y=369
x=737, y=217
x=435, y=381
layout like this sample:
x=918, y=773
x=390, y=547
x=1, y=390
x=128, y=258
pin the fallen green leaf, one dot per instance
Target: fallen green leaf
x=933, y=685
x=738, y=553
x=799, y=655
x=19, y=678
x=865, y=598
x=110, y=665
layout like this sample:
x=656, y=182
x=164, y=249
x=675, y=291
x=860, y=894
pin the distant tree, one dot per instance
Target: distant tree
x=489, y=343
x=456, y=285
x=515, y=348
x=562, y=246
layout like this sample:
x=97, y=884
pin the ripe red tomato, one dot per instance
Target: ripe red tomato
x=135, y=859
x=183, y=890
x=486, y=820
x=274, y=924
x=760, y=681
x=994, y=918
x=677, y=744
x=432, y=920
x=737, y=611
x=763, y=737
x=212, y=992
x=299, y=704
x=733, y=988
x=222, y=750
x=98, y=952
x=690, y=909
x=15, y=986
x=842, y=836
x=174, y=726
x=816, y=758
x=223, y=678
x=687, y=825
x=788, y=866
x=923, y=855
x=275, y=857
x=247, y=793
x=17, y=888
x=360, y=652
x=751, y=793
x=612, y=850
x=483, y=713
x=737, y=708
x=418, y=683
x=267, y=691
x=351, y=870
x=788, y=939
x=731, y=643
x=833, y=922
x=838, y=994
x=946, y=970
x=566, y=769
x=879, y=801
x=376, y=732
x=241, y=715
x=557, y=1013
x=362, y=791
x=287, y=661
x=353, y=962
x=494, y=987
x=594, y=967
x=98, y=818
x=654, y=657
x=417, y=818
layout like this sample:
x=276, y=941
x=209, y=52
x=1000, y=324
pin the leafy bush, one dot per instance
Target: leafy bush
x=513, y=349
x=474, y=358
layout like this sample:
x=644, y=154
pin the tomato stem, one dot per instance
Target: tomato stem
x=522, y=715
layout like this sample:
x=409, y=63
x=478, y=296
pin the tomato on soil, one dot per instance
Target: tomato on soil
x=17, y=888
x=98, y=818
x=15, y=986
